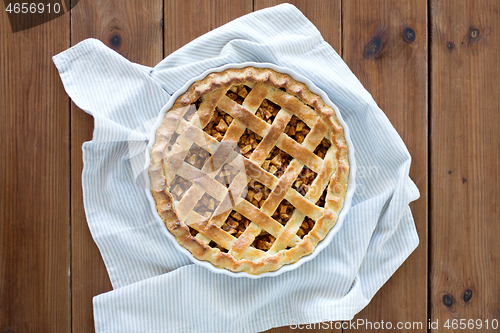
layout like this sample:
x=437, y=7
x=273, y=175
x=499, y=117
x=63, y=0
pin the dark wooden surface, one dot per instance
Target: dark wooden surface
x=465, y=148
x=432, y=66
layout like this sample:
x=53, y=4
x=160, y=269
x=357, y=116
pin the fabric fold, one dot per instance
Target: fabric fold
x=157, y=289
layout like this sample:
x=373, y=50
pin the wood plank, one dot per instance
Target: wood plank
x=189, y=19
x=134, y=29
x=326, y=16
x=88, y=273
x=35, y=173
x=385, y=45
x=465, y=163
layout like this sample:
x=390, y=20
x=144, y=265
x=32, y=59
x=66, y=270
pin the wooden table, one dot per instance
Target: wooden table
x=432, y=66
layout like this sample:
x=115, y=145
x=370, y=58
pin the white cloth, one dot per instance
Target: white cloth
x=156, y=289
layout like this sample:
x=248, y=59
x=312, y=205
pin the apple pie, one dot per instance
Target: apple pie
x=249, y=169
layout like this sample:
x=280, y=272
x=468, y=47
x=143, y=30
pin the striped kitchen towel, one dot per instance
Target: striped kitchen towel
x=157, y=289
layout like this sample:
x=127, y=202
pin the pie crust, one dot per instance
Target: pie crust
x=249, y=170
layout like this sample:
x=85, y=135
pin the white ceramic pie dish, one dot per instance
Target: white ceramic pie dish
x=348, y=198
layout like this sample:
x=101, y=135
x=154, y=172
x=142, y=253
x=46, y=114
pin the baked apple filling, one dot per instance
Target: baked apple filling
x=179, y=187
x=276, y=163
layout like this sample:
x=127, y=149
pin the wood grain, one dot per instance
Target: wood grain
x=326, y=16
x=35, y=173
x=50, y=268
x=187, y=19
x=385, y=45
x=465, y=149
x=134, y=29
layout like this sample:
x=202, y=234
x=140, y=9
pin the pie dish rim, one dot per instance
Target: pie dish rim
x=350, y=186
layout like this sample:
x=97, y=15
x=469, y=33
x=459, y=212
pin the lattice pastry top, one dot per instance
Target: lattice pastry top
x=249, y=170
